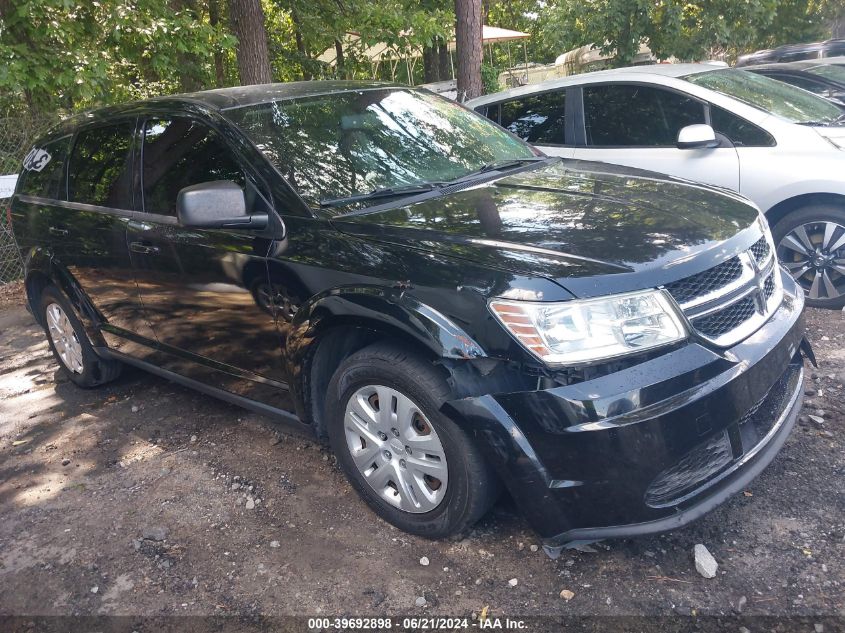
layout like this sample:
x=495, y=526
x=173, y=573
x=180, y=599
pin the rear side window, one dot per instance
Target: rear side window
x=738, y=130
x=178, y=153
x=100, y=171
x=637, y=116
x=538, y=118
x=44, y=170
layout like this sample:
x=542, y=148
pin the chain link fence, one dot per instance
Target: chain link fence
x=17, y=134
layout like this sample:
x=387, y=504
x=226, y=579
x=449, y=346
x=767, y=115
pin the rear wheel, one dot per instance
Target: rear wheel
x=414, y=466
x=70, y=344
x=811, y=244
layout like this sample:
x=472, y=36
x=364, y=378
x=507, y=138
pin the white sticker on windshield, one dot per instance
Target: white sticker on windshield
x=36, y=160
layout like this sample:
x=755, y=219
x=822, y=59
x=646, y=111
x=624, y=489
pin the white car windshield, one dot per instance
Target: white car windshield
x=775, y=97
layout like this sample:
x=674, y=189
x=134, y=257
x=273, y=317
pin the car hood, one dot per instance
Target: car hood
x=572, y=222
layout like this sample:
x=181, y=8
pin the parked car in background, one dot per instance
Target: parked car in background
x=450, y=309
x=831, y=67
x=794, y=52
x=780, y=146
x=829, y=84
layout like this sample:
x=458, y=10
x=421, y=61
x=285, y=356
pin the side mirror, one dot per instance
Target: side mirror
x=698, y=136
x=216, y=205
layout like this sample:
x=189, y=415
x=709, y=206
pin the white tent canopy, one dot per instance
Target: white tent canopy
x=495, y=35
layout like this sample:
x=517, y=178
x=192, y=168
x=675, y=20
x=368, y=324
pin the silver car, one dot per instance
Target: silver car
x=780, y=146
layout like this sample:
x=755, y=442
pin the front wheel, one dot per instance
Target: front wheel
x=811, y=244
x=411, y=464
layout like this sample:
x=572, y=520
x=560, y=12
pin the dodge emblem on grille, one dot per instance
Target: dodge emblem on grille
x=759, y=292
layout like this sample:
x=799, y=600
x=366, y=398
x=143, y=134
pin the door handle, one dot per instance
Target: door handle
x=54, y=230
x=144, y=249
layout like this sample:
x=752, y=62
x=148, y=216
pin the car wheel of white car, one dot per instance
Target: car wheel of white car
x=811, y=244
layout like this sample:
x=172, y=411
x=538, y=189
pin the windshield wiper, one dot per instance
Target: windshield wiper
x=837, y=121
x=508, y=163
x=409, y=190
x=501, y=165
x=386, y=192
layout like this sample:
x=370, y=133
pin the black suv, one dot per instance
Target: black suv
x=450, y=309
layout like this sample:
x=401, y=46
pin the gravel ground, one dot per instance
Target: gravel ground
x=146, y=498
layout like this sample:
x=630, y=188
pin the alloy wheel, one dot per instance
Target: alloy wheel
x=276, y=300
x=64, y=338
x=396, y=449
x=814, y=253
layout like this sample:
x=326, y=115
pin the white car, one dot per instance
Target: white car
x=778, y=145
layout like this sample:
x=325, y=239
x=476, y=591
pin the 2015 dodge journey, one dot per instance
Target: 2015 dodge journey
x=452, y=310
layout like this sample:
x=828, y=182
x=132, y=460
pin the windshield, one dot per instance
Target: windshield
x=829, y=71
x=353, y=143
x=775, y=97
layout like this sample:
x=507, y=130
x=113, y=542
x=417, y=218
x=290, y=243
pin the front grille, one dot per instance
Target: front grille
x=704, y=283
x=769, y=286
x=728, y=302
x=723, y=321
x=761, y=250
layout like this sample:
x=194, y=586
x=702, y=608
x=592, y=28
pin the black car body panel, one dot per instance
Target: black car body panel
x=651, y=417
x=591, y=230
x=261, y=317
x=795, y=52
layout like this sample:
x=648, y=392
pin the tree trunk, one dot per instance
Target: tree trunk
x=300, y=44
x=431, y=64
x=469, y=48
x=339, y=63
x=214, y=20
x=443, y=60
x=247, y=18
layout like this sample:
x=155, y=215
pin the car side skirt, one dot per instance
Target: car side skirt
x=291, y=421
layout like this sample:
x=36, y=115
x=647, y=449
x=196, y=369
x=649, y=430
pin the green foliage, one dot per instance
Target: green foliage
x=401, y=24
x=490, y=78
x=683, y=29
x=526, y=16
x=65, y=55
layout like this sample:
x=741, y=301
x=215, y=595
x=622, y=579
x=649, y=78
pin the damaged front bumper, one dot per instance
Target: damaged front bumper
x=649, y=448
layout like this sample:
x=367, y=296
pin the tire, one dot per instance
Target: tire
x=76, y=358
x=804, y=240
x=471, y=487
x=274, y=299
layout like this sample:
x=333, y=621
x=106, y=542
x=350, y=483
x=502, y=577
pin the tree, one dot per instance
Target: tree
x=247, y=20
x=189, y=63
x=611, y=25
x=526, y=16
x=57, y=55
x=469, y=48
x=214, y=21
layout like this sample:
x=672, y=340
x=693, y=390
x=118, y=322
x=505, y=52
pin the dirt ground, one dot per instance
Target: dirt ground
x=143, y=497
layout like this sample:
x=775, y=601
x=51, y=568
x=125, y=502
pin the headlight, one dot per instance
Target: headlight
x=581, y=331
